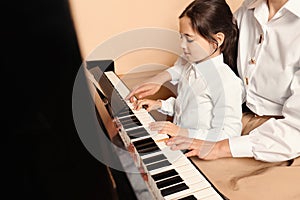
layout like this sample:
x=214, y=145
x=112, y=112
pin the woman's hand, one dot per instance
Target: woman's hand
x=166, y=127
x=203, y=149
x=148, y=103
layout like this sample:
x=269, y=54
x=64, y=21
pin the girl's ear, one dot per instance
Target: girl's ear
x=220, y=38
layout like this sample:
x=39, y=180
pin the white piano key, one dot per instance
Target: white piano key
x=174, y=156
x=191, y=174
x=192, y=189
x=160, y=170
x=122, y=117
x=141, y=112
x=156, y=136
x=192, y=177
x=144, y=117
x=215, y=196
x=163, y=169
x=180, y=161
x=193, y=180
x=207, y=193
x=140, y=138
x=145, y=156
x=157, y=161
x=132, y=128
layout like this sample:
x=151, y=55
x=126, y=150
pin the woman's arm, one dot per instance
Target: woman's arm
x=274, y=140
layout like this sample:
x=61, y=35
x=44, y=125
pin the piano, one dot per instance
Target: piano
x=166, y=174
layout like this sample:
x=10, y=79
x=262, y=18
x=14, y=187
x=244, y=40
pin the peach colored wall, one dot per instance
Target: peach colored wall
x=97, y=21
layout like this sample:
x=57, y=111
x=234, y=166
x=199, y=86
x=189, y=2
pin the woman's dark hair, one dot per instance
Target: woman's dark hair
x=209, y=17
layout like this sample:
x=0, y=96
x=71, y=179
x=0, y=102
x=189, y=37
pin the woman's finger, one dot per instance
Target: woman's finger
x=192, y=153
x=178, y=140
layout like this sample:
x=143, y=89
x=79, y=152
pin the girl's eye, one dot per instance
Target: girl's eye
x=189, y=40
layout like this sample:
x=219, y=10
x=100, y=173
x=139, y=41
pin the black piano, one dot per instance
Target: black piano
x=139, y=164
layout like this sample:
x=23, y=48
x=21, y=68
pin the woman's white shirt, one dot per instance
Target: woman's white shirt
x=269, y=64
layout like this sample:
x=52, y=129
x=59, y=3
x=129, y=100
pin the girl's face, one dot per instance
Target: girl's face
x=194, y=46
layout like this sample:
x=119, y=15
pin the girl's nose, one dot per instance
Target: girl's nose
x=183, y=43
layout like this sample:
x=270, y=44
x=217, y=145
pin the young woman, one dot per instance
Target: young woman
x=208, y=105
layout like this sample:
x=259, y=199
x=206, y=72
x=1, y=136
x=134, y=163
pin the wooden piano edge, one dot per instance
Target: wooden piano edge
x=212, y=185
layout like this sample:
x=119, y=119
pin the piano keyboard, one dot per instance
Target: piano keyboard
x=169, y=174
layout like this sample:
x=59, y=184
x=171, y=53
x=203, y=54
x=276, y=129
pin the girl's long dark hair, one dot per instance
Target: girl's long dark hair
x=209, y=17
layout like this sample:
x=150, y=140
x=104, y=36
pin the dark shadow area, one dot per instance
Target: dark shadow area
x=43, y=157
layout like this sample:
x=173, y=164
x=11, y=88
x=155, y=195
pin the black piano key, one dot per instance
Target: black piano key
x=134, y=118
x=136, y=130
x=131, y=125
x=174, y=189
x=164, y=175
x=119, y=106
x=145, y=145
x=154, y=159
x=137, y=122
x=149, y=150
x=136, y=133
x=124, y=113
x=191, y=197
x=168, y=182
x=130, y=120
x=149, y=147
x=146, y=140
x=158, y=165
x=117, y=103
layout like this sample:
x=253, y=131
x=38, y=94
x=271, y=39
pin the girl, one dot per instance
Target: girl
x=208, y=105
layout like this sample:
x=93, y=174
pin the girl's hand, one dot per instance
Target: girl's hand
x=148, y=103
x=166, y=127
x=149, y=86
x=143, y=90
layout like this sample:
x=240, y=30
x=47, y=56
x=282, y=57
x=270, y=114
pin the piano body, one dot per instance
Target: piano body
x=152, y=169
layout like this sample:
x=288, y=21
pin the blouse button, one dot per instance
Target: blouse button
x=252, y=61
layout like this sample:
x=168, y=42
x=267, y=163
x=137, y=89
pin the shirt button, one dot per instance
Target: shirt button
x=261, y=38
x=252, y=61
